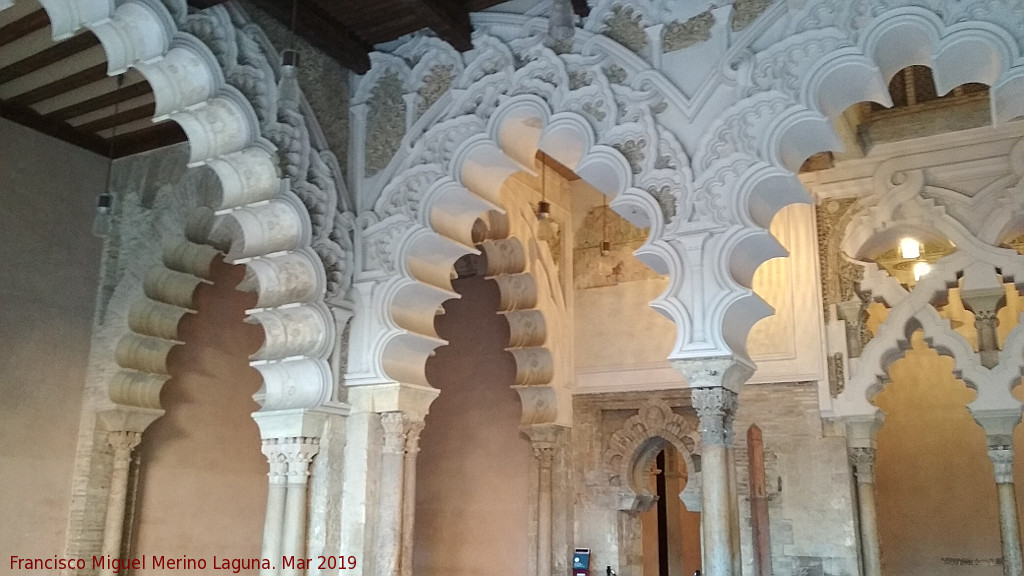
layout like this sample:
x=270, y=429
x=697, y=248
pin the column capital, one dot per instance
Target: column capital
x=863, y=462
x=123, y=442
x=1002, y=462
x=729, y=372
x=289, y=458
x=544, y=441
x=716, y=408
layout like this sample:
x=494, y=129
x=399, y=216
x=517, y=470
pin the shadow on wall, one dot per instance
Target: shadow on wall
x=202, y=480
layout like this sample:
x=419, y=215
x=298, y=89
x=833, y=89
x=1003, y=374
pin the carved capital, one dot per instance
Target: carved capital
x=716, y=408
x=544, y=441
x=863, y=462
x=1002, y=462
x=394, y=432
x=412, y=436
x=123, y=442
x=289, y=458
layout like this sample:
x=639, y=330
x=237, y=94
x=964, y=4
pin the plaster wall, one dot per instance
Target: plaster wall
x=472, y=489
x=50, y=266
x=811, y=509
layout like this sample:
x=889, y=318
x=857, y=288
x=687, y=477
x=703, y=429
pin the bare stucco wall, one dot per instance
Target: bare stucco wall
x=472, y=485
x=49, y=267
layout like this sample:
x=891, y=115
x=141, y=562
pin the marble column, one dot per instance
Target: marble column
x=1002, y=460
x=123, y=442
x=412, y=448
x=543, y=441
x=715, y=408
x=273, y=520
x=863, y=461
x=985, y=304
x=734, y=504
x=284, y=525
x=300, y=452
x=391, y=491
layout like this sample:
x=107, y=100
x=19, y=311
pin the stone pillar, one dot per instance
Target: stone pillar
x=273, y=521
x=412, y=448
x=716, y=407
x=863, y=461
x=123, y=442
x=1002, y=461
x=998, y=425
x=300, y=451
x=985, y=303
x=543, y=439
x=284, y=526
x=391, y=490
x=734, y=503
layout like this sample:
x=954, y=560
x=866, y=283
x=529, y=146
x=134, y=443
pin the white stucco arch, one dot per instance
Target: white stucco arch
x=256, y=218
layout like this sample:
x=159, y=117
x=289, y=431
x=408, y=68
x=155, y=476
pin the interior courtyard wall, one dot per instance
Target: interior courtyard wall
x=472, y=493
x=51, y=265
x=809, y=487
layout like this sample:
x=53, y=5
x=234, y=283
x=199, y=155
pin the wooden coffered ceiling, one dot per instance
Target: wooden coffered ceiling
x=62, y=89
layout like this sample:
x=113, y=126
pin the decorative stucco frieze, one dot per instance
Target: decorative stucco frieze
x=625, y=25
x=434, y=85
x=679, y=35
x=744, y=12
x=385, y=124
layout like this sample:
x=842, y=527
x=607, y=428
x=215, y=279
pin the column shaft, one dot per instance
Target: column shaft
x=715, y=408
x=412, y=448
x=1002, y=460
x=123, y=443
x=392, y=486
x=863, y=460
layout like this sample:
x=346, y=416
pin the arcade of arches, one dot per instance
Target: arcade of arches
x=722, y=286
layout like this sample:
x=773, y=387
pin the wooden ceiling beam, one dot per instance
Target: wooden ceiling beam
x=61, y=130
x=323, y=31
x=24, y=26
x=51, y=55
x=58, y=87
x=122, y=117
x=102, y=101
x=204, y=4
x=449, y=20
x=156, y=136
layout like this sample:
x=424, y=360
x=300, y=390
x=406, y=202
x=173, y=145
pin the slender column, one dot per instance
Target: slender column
x=985, y=304
x=734, y=502
x=1002, y=461
x=300, y=452
x=123, y=442
x=863, y=461
x=412, y=448
x=543, y=439
x=392, y=486
x=715, y=408
x=273, y=521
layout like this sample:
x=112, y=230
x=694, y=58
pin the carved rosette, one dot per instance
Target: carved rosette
x=863, y=462
x=716, y=409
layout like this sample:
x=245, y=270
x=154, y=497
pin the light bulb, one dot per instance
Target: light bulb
x=920, y=269
x=910, y=248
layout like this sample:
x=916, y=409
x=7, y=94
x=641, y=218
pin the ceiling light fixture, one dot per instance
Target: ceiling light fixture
x=290, y=56
x=910, y=248
x=920, y=269
x=606, y=245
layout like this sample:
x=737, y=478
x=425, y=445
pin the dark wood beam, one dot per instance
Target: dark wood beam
x=62, y=131
x=58, y=87
x=323, y=31
x=102, y=101
x=448, y=19
x=119, y=119
x=24, y=26
x=150, y=138
x=204, y=4
x=51, y=55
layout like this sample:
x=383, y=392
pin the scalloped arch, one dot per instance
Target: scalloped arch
x=255, y=216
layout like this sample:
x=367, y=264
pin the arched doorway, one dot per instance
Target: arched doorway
x=671, y=533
